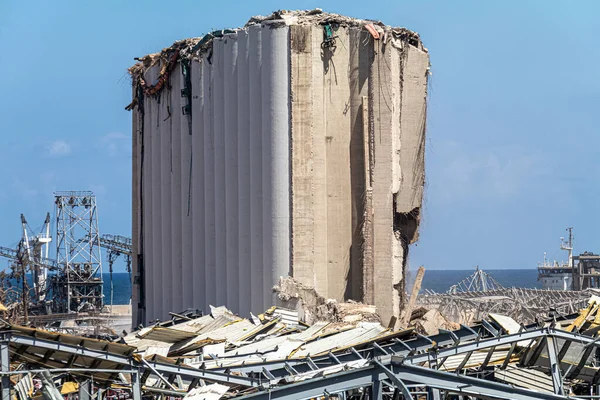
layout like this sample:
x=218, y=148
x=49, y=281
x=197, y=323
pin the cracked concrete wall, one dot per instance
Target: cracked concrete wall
x=358, y=112
x=322, y=198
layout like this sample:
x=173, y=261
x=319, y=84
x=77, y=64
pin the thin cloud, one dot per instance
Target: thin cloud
x=116, y=143
x=500, y=173
x=59, y=148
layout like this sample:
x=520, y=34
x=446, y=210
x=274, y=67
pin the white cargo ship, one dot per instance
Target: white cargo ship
x=555, y=275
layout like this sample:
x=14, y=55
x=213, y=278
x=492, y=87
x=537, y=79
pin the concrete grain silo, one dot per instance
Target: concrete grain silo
x=291, y=147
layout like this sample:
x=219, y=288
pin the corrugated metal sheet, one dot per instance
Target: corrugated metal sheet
x=268, y=349
x=24, y=387
x=230, y=332
x=475, y=360
x=312, y=331
x=198, y=324
x=266, y=352
x=327, y=371
x=510, y=326
x=364, y=332
x=208, y=392
x=50, y=358
x=161, y=350
x=167, y=335
x=525, y=378
x=289, y=317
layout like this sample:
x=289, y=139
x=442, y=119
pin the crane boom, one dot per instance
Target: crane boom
x=14, y=254
x=117, y=243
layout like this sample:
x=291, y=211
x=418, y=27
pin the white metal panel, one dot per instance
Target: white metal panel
x=209, y=186
x=218, y=61
x=289, y=317
x=208, y=392
x=198, y=216
x=256, y=183
x=352, y=337
x=475, y=359
x=194, y=325
x=174, y=120
x=243, y=156
x=231, y=332
x=526, y=378
x=277, y=349
x=230, y=108
x=158, y=350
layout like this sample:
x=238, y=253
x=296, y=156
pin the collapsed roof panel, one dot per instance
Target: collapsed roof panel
x=304, y=363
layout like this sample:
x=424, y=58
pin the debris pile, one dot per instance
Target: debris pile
x=222, y=355
x=188, y=49
x=479, y=295
x=312, y=307
x=524, y=305
x=431, y=322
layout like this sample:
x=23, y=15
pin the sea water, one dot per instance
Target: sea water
x=440, y=280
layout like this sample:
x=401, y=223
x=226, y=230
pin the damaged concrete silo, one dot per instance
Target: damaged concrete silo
x=292, y=146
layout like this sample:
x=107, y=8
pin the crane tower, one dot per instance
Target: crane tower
x=78, y=286
x=36, y=251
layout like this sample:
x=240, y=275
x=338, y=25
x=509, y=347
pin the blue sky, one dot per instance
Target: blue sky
x=512, y=128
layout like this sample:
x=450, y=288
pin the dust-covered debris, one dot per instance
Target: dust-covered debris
x=222, y=355
x=431, y=322
x=312, y=307
x=187, y=49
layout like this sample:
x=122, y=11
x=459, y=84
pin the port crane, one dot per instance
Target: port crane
x=32, y=254
x=32, y=251
x=116, y=246
x=36, y=248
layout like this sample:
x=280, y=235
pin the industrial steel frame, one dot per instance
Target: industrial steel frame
x=79, y=284
x=393, y=370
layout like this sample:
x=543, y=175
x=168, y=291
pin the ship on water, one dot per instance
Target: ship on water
x=578, y=273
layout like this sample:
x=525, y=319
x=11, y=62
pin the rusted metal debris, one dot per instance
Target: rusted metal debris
x=479, y=295
x=523, y=305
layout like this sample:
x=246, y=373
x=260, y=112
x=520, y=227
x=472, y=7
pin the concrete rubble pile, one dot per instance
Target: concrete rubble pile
x=431, y=322
x=276, y=356
x=312, y=307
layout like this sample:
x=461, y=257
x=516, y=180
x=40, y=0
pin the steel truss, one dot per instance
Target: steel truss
x=395, y=370
x=116, y=246
x=78, y=286
x=398, y=369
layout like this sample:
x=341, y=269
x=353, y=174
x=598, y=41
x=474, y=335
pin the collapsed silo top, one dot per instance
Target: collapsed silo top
x=188, y=49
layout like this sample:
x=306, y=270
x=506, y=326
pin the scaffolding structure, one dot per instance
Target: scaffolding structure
x=78, y=285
